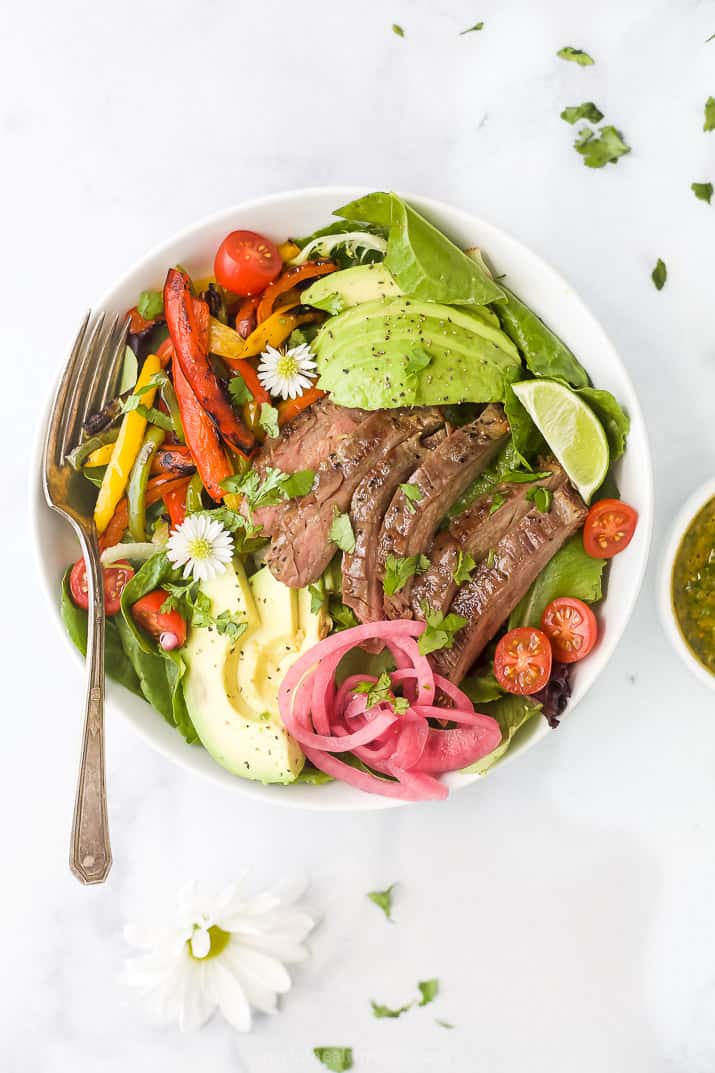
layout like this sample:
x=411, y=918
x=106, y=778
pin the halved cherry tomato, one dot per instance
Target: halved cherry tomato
x=609, y=528
x=522, y=661
x=166, y=627
x=115, y=578
x=247, y=262
x=571, y=626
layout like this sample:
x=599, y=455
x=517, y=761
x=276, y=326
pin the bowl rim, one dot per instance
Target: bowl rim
x=355, y=801
x=692, y=506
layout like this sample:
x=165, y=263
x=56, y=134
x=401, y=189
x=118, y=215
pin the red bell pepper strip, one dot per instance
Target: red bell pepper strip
x=292, y=407
x=155, y=490
x=287, y=280
x=188, y=320
x=246, y=315
x=201, y=436
x=175, y=502
x=176, y=460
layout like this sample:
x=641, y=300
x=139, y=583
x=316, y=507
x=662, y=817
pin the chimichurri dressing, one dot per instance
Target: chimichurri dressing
x=694, y=585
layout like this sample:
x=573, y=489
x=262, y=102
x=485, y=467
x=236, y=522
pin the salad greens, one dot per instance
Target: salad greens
x=512, y=713
x=571, y=572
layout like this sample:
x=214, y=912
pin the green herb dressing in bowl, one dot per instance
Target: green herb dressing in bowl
x=693, y=585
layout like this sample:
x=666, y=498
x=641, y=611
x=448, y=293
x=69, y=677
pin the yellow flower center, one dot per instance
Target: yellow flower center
x=199, y=548
x=287, y=366
x=219, y=941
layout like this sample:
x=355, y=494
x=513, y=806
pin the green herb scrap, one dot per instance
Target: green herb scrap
x=269, y=420
x=659, y=274
x=463, y=569
x=380, y=692
x=383, y=899
x=275, y=486
x=379, y=1010
x=498, y=500
x=575, y=55
x=336, y=1059
x=709, y=123
x=399, y=570
x=541, y=498
x=439, y=631
x=588, y=110
x=150, y=304
x=472, y=29
x=702, y=191
x=397, y=29
x=413, y=493
x=341, y=531
x=429, y=990
x=239, y=390
x=607, y=148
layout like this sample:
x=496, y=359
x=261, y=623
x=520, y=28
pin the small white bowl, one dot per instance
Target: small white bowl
x=687, y=513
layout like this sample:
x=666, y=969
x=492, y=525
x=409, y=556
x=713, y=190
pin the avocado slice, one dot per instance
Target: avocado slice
x=351, y=286
x=231, y=687
x=400, y=352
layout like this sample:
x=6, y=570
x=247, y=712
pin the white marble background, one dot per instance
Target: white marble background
x=567, y=904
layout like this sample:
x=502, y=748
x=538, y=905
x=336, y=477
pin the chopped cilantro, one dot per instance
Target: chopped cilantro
x=428, y=990
x=413, y=494
x=380, y=692
x=274, y=487
x=472, y=29
x=439, y=631
x=541, y=498
x=298, y=483
x=399, y=570
x=386, y=1011
x=269, y=420
x=133, y=403
x=397, y=29
x=498, y=500
x=463, y=569
x=607, y=148
x=587, y=110
x=659, y=274
x=239, y=391
x=341, y=531
x=491, y=558
x=576, y=55
x=709, y=123
x=702, y=191
x=343, y=617
x=383, y=899
x=336, y=1059
x=150, y=304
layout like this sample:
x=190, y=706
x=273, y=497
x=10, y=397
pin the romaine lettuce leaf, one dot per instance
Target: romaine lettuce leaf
x=571, y=572
x=116, y=663
x=616, y=422
x=544, y=353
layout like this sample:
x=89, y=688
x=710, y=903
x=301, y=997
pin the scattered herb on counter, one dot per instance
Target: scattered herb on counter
x=576, y=55
x=443, y=1024
x=397, y=29
x=659, y=274
x=607, y=148
x=429, y=990
x=472, y=29
x=383, y=899
x=709, y=123
x=702, y=191
x=378, y=1010
x=588, y=110
x=336, y=1059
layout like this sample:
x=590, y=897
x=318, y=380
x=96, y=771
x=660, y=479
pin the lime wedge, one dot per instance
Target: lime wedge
x=571, y=429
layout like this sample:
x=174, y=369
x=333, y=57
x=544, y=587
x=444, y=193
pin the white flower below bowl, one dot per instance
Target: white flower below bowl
x=683, y=519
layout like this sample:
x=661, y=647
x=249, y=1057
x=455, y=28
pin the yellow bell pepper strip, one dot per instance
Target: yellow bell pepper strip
x=288, y=250
x=78, y=457
x=272, y=332
x=126, y=449
x=100, y=456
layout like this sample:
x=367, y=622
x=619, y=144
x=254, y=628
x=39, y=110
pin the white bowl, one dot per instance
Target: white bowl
x=300, y=212
x=690, y=508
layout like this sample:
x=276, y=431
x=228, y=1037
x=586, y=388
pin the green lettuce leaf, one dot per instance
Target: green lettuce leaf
x=116, y=663
x=511, y=713
x=616, y=422
x=571, y=572
x=544, y=353
x=425, y=263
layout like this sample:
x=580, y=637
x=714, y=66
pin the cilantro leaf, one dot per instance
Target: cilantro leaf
x=541, y=498
x=298, y=483
x=343, y=616
x=520, y=476
x=588, y=110
x=659, y=274
x=239, y=391
x=134, y=404
x=333, y=304
x=417, y=360
x=385, y=1011
x=709, y=123
x=336, y=1059
x=341, y=531
x=380, y=692
x=491, y=558
x=413, y=493
x=429, y=990
x=443, y=1024
x=463, y=569
x=399, y=570
x=274, y=487
x=383, y=899
x=229, y=625
x=397, y=29
x=150, y=304
x=702, y=191
x=575, y=55
x=317, y=597
x=439, y=631
x=607, y=148
x=269, y=419
x=472, y=29
x=498, y=500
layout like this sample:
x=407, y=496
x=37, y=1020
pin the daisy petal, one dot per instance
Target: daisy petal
x=229, y=996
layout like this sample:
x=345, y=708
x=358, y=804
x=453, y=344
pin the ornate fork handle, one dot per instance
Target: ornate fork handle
x=90, y=850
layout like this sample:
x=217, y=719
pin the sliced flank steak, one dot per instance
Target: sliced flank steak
x=303, y=443
x=492, y=593
x=440, y=480
x=362, y=589
x=474, y=532
x=302, y=547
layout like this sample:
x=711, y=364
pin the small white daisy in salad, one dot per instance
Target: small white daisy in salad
x=225, y=951
x=287, y=373
x=202, y=546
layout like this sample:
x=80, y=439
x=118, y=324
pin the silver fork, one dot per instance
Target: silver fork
x=90, y=379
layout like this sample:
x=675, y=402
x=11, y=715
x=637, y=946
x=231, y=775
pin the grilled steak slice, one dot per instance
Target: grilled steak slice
x=474, y=532
x=492, y=593
x=442, y=478
x=362, y=590
x=302, y=547
x=303, y=444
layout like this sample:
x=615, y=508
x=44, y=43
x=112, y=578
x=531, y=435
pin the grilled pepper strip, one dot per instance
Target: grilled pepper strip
x=175, y=502
x=288, y=278
x=201, y=436
x=78, y=457
x=188, y=322
x=131, y=434
x=193, y=494
x=273, y=332
x=120, y=519
x=136, y=490
x=292, y=407
x=175, y=459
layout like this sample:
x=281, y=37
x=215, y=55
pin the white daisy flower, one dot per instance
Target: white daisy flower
x=202, y=546
x=224, y=951
x=287, y=373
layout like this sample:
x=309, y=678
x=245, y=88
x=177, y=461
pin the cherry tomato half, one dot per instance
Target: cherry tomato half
x=115, y=578
x=166, y=627
x=247, y=262
x=609, y=528
x=522, y=661
x=571, y=626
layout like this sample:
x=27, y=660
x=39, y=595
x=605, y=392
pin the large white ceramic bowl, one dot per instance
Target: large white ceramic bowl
x=300, y=212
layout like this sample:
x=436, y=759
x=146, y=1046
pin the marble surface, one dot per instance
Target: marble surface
x=566, y=903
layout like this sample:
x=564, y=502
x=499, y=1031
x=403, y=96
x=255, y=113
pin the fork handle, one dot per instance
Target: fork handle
x=90, y=850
